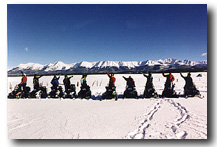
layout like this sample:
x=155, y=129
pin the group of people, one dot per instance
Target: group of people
x=189, y=88
x=169, y=80
x=129, y=82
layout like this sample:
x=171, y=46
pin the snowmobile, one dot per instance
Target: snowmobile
x=56, y=92
x=169, y=91
x=130, y=92
x=71, y=92
x=42, y=92
x=150, y=92
x=191, y=91
x=84, y=92
x=18, y=92
x=110, y=93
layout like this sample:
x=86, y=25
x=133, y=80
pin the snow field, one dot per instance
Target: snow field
x=174, y=118
x=73, y=119
x=123, y=119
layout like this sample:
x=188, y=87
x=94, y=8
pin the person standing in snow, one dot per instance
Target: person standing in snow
x=169, y=80
x=112, y=80
x=67, y=83
x=36, y=82
x=130, y=82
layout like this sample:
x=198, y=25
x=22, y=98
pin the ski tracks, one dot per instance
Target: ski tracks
x=148, y=128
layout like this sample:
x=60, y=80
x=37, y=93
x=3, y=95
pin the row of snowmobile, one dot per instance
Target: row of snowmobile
x=85, y=92
x=150, y=92
x=56, y=92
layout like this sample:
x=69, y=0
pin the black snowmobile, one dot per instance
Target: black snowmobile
x=42, y=92
x=130, y=92
x=191, y=91
x=56, y=92
x=71, y=92
x=84, y=92
x=19, y=92
x=169, y=91
x=110, y=93
x=150, y=92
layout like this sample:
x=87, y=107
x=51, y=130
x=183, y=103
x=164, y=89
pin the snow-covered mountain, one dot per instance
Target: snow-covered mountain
x=111, y=66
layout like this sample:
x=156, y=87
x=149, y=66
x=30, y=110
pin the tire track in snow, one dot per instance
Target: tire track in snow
x=140, y=132
x=197, y=126
x=174, y=125
x=200, y=133
x=179, y=120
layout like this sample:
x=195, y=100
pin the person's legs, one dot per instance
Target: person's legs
x=24, y=89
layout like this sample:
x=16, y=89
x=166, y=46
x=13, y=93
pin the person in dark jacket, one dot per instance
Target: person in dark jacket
x=149, y=87
x=130, y=82
x=188, y=80
x=55, y=82
x=36, y=82
x=149, y=82
x=112, y=80
x=84, y=80
x=67, y=83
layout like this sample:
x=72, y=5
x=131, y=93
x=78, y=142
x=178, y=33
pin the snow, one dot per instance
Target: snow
x=129, y=64
x=103, y=64
x=168, y=118
x=109, y=63
x=33, y=66
x=87, y=64
x=57, y=66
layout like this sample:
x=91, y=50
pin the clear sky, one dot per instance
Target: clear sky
x=73, y=33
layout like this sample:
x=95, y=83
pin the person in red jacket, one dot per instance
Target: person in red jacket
x=24, y=79
x=23, y=82
x=112, y=80
x=170, y=79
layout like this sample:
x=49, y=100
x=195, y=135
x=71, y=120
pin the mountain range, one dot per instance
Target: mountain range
x=59, y=67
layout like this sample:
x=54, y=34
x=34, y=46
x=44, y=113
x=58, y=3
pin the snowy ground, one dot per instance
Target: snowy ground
x=129, y=118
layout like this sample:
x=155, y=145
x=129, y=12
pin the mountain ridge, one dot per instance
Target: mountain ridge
x=111, y=66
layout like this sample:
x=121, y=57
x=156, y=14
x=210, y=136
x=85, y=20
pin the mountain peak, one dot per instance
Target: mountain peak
x=59, y=63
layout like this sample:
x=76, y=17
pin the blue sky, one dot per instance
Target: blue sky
x=73, y=33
